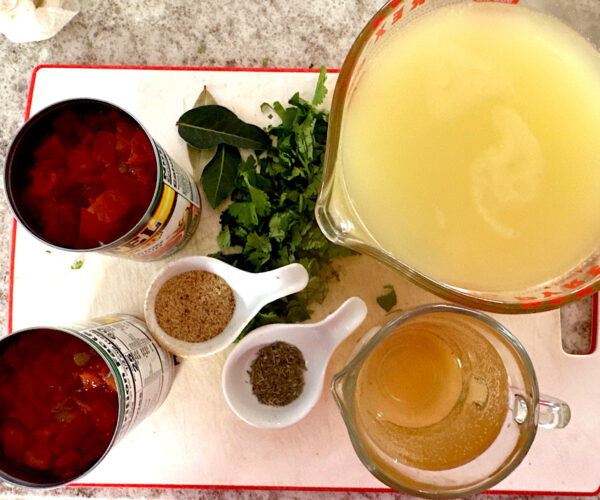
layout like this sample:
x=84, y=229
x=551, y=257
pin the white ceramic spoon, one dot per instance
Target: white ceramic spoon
x=251, y=291
x=317, y=341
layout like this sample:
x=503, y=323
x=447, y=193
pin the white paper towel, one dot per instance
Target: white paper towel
x=34, y=20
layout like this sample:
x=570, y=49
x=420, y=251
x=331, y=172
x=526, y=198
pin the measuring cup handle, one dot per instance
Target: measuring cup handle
x=553, y=413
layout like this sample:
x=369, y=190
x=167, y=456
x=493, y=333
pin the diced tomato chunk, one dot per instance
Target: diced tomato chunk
x=80, y=161
x=125, y=131
x=66, y=122
x=87, y=142
x=90, y=380
x=71, y=433
x=45, y=177
x=61, y=221
x=104, y=149
x=50, y=149
x=104, y=414
x=13, y=436
x=98, y=366
x=110, y=206
x=67, y=460
x=93, y=229
x=37, y=457
x=111, y=384
x=141, y=149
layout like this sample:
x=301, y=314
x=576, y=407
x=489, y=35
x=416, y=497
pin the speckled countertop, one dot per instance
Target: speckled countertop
x=250, y=33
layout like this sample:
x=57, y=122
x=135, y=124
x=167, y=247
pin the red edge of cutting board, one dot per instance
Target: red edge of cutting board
x=244, y=487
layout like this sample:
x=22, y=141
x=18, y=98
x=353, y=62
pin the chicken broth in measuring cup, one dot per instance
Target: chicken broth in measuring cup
x=433, y=393
x=478, y=124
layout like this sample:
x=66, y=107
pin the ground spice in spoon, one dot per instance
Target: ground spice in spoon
x=194, y=306
x=277, y=374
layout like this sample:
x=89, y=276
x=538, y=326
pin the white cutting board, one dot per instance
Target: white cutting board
x=194, y=439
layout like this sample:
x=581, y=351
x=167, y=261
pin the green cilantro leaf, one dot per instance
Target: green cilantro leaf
x=388, y=299
x=224, y=238
x=321, y=90
x=77, y=263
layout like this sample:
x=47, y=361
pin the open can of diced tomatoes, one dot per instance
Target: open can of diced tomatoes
x=84, y=175
x=67, y=395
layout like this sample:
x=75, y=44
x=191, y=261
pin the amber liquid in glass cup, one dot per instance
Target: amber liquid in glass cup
x=443, y=402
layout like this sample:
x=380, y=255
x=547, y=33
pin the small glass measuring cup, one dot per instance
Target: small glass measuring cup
x=336, y=212
x=429, y=475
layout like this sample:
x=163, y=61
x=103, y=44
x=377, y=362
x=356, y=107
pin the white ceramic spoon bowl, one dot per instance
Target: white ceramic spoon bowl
x=251, y=291
x=317, y=341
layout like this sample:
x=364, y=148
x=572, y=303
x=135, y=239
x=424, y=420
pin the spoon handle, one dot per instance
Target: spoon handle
x=342, y=322
x=273, y=285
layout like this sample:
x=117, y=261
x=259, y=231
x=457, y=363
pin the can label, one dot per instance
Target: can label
x=174, y=219
x=143, y=371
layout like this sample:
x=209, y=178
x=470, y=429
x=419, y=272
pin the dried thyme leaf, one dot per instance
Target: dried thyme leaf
x=277, y=374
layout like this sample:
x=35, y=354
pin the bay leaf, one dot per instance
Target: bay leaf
x=207, y=126
x=218, y=177
x=199, y=158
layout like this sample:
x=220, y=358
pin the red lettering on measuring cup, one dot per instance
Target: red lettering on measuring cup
x=416, y=3
x=514, y=2
x=594, y=271
x=574, y=284
x=397, y=15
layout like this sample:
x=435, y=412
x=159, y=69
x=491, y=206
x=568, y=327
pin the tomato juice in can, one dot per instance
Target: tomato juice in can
x=84, y=175
x=69, y=394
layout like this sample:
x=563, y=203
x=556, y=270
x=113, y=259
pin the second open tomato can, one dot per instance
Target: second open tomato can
x=69, y=394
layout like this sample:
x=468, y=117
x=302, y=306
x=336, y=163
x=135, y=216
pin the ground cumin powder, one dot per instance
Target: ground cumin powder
x=194, y=306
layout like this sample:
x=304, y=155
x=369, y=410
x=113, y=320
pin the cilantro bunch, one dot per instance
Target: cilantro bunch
x=271, y=222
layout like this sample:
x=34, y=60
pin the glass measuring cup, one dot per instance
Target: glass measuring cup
x=344, y=223
x=394, y=397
